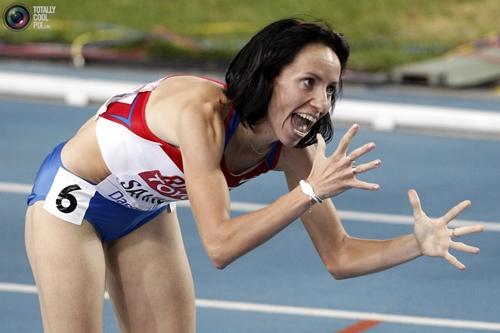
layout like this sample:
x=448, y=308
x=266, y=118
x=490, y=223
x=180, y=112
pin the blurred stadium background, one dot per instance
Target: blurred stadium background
x=383, y=33
x=447, y=45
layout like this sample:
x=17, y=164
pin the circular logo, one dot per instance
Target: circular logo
x=16, y=17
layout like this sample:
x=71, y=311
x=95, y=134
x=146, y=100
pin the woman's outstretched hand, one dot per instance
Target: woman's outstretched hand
x=334, y=174
x=433, y=235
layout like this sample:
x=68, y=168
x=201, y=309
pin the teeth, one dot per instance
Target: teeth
x=299, y=133
x=307, y=117
x=301, y=127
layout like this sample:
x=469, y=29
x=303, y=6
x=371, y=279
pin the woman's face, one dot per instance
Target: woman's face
x=303, y=92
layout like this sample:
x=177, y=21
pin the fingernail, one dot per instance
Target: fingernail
x=378, y=162
x=355, y=126
x=375, y=187
x=371, y=145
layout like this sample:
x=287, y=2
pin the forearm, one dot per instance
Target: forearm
x=362, y=256
x=236, y=236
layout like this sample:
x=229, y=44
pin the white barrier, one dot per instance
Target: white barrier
x=74, y=91
x=379, y=115
x=388, y=116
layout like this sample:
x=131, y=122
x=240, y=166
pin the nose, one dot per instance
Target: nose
x=321, y=102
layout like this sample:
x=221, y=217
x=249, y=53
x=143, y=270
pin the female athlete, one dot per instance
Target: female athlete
x=102, y=211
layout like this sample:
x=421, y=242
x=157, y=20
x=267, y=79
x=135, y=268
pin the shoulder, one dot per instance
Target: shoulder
x=186, y=103
x=188, y=90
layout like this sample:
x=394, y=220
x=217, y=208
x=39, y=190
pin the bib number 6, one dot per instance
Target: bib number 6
x=69, y=197
x=66, y=202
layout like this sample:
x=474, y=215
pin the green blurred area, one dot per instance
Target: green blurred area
x=382, y=33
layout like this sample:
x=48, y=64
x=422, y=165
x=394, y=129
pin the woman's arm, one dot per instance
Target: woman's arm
x=345, y=256
x=201, y=139
x=225, y=238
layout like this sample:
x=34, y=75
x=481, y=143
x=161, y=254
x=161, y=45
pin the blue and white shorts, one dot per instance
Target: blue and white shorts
x=73, y=199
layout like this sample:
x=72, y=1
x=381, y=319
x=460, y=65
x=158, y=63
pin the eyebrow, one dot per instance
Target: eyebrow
x=318, y=77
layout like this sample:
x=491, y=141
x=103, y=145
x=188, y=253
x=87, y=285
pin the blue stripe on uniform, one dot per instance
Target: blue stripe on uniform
x=127, y=120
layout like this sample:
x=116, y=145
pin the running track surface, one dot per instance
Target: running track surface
x=286, y=271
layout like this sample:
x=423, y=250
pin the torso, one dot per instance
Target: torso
x=162, y=120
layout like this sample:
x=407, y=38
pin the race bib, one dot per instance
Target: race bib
x=69, y=197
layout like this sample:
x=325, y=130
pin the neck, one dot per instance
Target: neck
x=254, y=140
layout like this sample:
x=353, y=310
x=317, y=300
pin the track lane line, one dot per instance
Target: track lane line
x=18, y=188
x=310, y=312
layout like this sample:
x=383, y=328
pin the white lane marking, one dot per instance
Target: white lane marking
x=15, y=188
x=365, y=217
x=309, y=312
x=344, y=214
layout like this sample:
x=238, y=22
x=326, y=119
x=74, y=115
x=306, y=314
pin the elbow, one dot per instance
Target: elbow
x=218, y=261
x=339, y=266
x=216, y=247
x=221, y=247
x=337, y=272
x=218, y=255
x=343, y=268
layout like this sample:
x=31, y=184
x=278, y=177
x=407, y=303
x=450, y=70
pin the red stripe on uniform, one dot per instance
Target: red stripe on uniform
x=139, y=126
x=117, y=109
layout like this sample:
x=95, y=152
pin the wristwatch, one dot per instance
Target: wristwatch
x=309, y=191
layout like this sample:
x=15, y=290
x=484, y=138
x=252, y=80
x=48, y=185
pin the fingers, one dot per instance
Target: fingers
x=415, y=203
x=363, y=168
x=470, y=229
x=367, y=166
x=321, y=145
x=347, y=138
x=454, y=261
x=461, y=246
x=464, y=247
x=355, y=154
x=365, y=186
x=455, y=211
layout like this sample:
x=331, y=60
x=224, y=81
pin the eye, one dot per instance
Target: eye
x=330, y=90
x=308, y=83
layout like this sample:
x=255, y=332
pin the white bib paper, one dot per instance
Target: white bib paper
x=69, y=197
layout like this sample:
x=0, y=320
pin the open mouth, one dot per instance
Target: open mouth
x=302, y=123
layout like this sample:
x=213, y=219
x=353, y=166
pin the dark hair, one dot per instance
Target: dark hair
x=251, y=74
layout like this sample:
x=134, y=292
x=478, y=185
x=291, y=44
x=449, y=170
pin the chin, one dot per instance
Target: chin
x=290, y=142
x=289, y=138
x=290, y=145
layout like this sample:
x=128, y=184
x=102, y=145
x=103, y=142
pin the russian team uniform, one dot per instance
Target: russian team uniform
x=146, y=173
